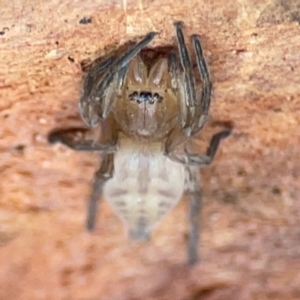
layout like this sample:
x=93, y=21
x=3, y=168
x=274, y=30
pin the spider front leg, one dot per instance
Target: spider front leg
x=101, y=94
x=203, y=103
x=195, y=114
x=95, y=71
x=104, y=173
x=80, y=139
x=187, y=66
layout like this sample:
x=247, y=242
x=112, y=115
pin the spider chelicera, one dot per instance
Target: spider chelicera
x=149, y=110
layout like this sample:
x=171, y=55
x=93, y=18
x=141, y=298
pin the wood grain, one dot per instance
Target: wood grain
x=250, y=243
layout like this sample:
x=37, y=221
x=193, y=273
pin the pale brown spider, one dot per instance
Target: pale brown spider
x=148, y=109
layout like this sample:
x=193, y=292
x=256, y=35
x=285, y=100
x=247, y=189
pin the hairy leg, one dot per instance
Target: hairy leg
x=104, y=173
x=96, y=104
x=80, y=138
x=186, y=80
x=189, y=80
x=195, y=202
x=191, y=159
x=202, y=102
x=95, y=71
x=194, y=106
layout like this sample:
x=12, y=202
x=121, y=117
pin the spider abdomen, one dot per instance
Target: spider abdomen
x=146, y=185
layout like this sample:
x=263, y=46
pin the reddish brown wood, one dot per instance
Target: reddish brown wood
x=250, y=245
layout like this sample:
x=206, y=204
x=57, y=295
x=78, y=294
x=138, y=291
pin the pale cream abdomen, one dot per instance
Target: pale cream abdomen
x=146, y=185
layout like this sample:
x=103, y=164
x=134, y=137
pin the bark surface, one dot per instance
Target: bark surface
x=250, y=242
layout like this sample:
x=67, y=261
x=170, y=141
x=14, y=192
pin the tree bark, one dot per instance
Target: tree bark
x=250, y=241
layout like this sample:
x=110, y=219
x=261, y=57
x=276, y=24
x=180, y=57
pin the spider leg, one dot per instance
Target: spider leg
x=114, y=90
x=194, y=116
x=132, y=52
x=203, y=104
x=187, y=66
x=195, y=202
x=95, y=71
x=96, y=104
x=193, y=108
x=178, y=88
x=173, y=66
x=75, y=138
x=118, y=71
x=190, y=159
x=89, y=112
x=189, y=84
x=104, y=173
x=80, y=138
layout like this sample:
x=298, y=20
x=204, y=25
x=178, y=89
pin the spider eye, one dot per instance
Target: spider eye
x=157, y=97
x=142, y=96
x=133, y=96
x=145, y=97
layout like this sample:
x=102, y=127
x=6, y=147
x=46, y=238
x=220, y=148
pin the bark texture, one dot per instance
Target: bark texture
x=250, y=243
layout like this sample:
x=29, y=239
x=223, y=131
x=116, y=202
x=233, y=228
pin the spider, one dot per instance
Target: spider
x=149, y=110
